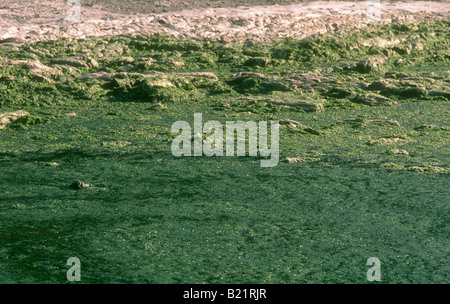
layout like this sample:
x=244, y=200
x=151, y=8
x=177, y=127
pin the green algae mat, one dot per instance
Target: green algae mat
x=87, y=169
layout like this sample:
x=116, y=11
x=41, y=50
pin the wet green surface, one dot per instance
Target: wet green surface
x=364, y=174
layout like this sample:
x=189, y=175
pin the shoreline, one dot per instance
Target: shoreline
x=49, y=20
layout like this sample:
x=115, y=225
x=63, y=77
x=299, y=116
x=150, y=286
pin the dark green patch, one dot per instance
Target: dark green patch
x=369, y=177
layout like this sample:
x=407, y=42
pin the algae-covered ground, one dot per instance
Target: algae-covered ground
x=87, y=169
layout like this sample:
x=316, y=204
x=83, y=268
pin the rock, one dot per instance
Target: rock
x=35, y=67
x=157, y=83
x=164, y=88
x=273, y=85
x=385, y=141
x=199, y=74
x=378, y=85
x=404, y=27
x=339, y=92
x=79, y=185
x=116, y=60
x=327, y=88
x=292, y=160
x=255, y=82
x=6, y=119
x=373, y=100
x=231, y=59
x=311, y=131
x=403, y=92
x=415, y=169
x=114, y=49
x=397, y=152
x=291, y=123
x=68, y=69
x=426, y=168
x=238, y=78
x=70, y=61
x=42, y=78
x=395, y=75
x=308, y=106
x=428, y=128
x=11, y=40
x=257, y=61
x=383, y=122
x=281, y=53
x=175, y=62
x=361, y=84
x=92, y=63
x=409, y=83
x=301, y=105
x=369, y=65
x=417, y=46
x=446, y=95
x=104, y=75
x=28, y=120
x=157, y=105
x=402, y=50
x=412, y=92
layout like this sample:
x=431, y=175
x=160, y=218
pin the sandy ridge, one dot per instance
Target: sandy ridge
x=48, y=20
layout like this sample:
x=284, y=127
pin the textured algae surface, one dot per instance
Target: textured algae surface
x=363, y=159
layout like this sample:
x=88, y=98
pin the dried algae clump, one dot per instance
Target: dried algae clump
x=6, y=119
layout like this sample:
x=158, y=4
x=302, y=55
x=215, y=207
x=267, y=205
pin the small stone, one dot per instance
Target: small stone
x=384, y=122
x=291, y=123
x=339, y=92
x=35, y=67
x=292, y=160
x=413, y=92
x=6, y=119
x=415, y=169
x=257, y=61
x=368, y=65
x=301, y=105
x=385, y=141
x=273, y=85
x=405, y=92
x=417, y=46
x=397, y=152
x=427, y=128
x=199, y=74
x=378, y=85
x=238, y=78
x=372, y=100
x=445, y=95
x=73, y=62
x=42, y=78
x=395, y=75
x=362, y=85
x=157, y=105
x=79, y=185
x=405, y=50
